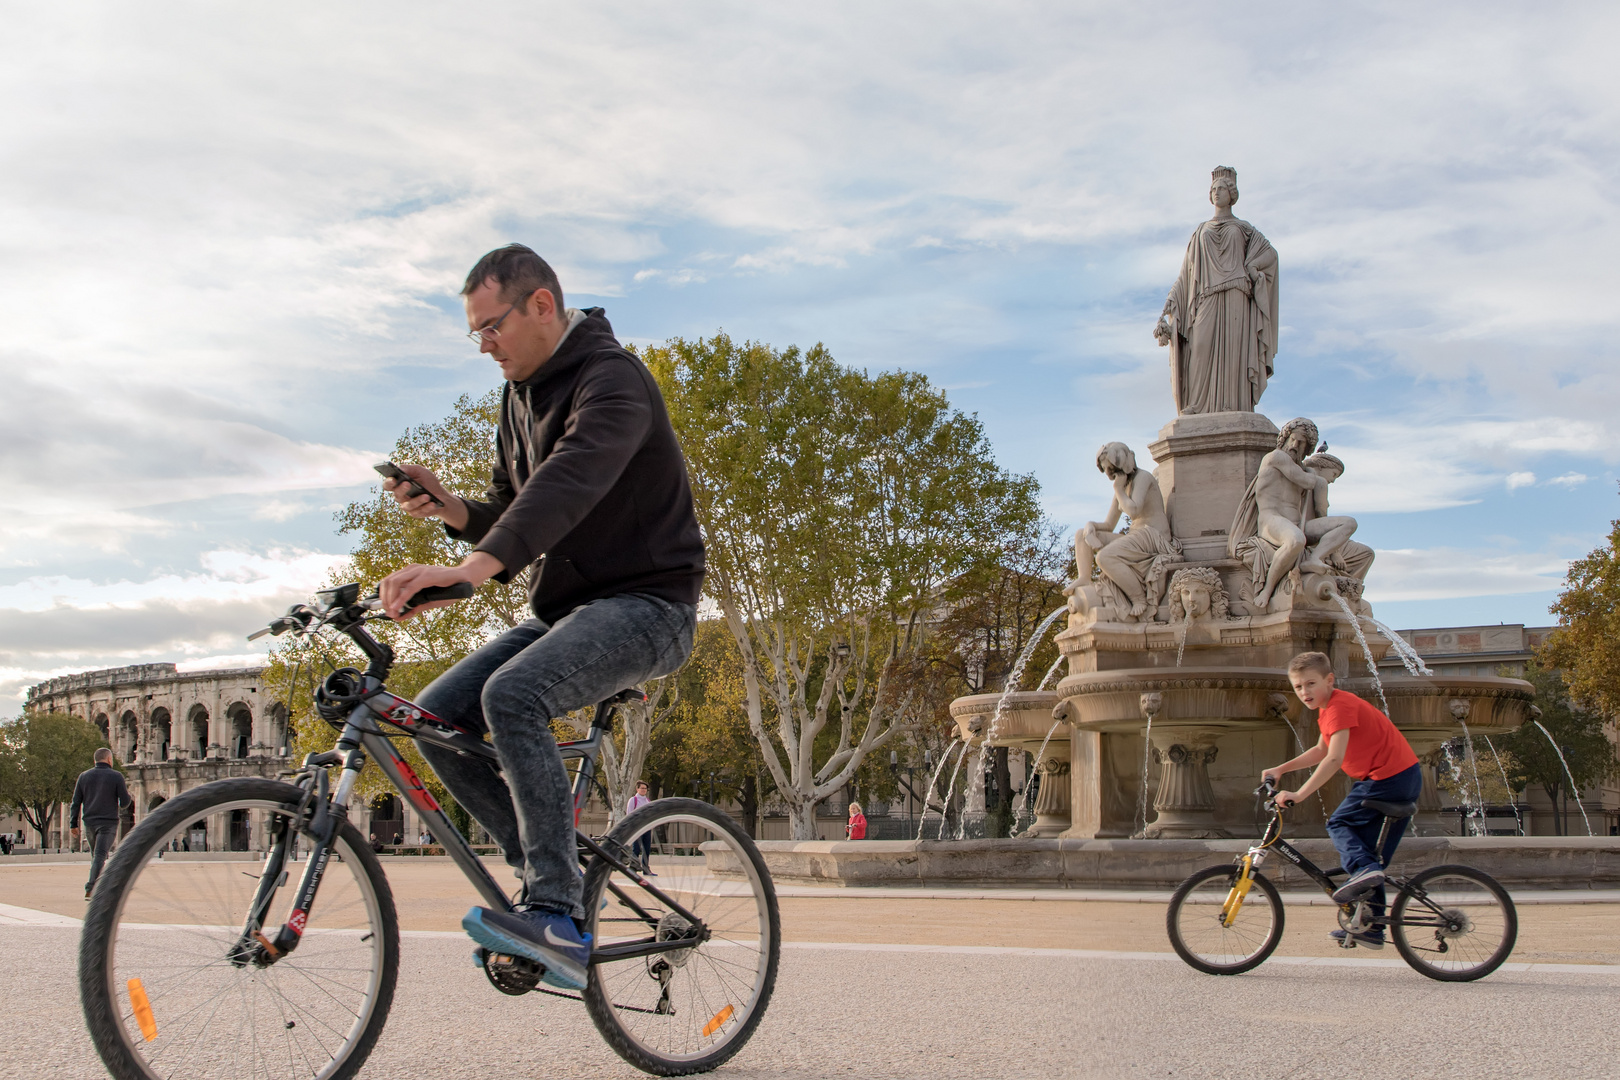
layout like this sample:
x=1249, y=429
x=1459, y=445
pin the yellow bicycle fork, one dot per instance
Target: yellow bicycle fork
x=1240, y=890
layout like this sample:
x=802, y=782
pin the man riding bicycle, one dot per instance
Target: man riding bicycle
x=589, y=493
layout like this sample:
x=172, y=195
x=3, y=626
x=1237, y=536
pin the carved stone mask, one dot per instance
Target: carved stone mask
x=1195, y=599
x=1460, y=708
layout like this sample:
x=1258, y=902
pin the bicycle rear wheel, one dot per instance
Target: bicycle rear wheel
x=162, y=994
x=1198, y=930
x=689, y=1010
x=1454, y=923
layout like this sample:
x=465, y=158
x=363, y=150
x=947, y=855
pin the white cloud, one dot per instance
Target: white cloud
x=1447, y=573
x=1570, y=480
x=1517, y=480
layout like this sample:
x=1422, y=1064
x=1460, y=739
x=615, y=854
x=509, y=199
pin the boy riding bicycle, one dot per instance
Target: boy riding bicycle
x=1361, y=741
x=589, y=493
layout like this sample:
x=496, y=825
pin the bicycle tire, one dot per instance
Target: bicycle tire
x=712, y=985
x=1475, y=904
x=143, y=905
x=1203, y=924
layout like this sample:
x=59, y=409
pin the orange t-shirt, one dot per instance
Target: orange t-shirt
x=1377, y=749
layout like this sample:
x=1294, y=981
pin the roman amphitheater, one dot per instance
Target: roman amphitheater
x=173, y=730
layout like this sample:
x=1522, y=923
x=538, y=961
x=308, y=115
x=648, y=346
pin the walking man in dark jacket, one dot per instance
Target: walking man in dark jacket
x=589, y=493
x=99, y=794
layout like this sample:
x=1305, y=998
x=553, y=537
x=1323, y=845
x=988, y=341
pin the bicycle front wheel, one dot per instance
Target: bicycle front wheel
x=1454, y=923
x=166, y=987
x=1203, y=936
x=684, y=1010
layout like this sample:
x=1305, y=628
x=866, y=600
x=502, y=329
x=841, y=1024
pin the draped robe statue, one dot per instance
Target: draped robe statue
x=1220, y=320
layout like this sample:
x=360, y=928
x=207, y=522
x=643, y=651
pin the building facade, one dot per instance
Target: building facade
x=173, y=730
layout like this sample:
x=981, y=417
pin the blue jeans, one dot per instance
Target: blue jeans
x=512, y=687
x=1354, y=828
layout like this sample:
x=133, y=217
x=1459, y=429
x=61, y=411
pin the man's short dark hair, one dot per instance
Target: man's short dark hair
x=103, y=754
x=517, y=271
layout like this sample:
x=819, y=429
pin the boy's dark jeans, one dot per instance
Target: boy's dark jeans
x=512, y=687
x=1354, y=828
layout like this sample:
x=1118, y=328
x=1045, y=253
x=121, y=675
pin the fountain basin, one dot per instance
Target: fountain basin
x=1027, y=717
x=1555, y=862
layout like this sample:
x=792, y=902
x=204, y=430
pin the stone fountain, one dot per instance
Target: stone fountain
x=1203, y=579
x=1181, y=624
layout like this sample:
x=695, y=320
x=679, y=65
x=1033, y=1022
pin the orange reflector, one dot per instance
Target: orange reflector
x=143, y=1009
x=708, y=1029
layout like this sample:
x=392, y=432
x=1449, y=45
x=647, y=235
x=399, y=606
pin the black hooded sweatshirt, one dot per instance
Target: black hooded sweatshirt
x=589, y=482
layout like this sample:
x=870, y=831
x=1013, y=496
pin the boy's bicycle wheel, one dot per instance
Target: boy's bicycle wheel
x=689, y=1010
x=1454, y=923
x=1198, y=929
x=161, y=991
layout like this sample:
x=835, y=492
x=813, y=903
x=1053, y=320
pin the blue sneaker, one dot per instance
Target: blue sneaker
x=1367, y=939
x=546, y=938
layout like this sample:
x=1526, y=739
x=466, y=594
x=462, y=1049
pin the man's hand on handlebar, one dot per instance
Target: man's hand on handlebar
x=397, y=588
x=1285, y=799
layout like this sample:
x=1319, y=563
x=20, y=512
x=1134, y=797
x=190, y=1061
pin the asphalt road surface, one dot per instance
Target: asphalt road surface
x=934, y=1012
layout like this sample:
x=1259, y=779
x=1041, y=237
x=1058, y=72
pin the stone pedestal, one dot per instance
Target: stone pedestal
x=1085, y=785
x=1053, y=800
x=1185, y=803
x=1206, y=462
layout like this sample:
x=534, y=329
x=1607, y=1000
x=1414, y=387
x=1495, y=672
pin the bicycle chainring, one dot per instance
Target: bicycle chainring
x=514, y=975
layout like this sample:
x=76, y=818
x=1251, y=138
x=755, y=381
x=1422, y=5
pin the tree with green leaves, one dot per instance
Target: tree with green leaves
x=1586, y=645
x=835, y=505
x=41, y=757
x=1578, y=732
x=458, y=449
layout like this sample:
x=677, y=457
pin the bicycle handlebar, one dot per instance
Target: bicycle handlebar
x=302, y=618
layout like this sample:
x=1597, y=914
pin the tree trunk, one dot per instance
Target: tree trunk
x=1001, y=821
x=1552, y=797
x=802, y=821
x=750, y=805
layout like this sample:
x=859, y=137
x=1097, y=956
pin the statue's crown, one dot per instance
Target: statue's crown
x=1223, y=172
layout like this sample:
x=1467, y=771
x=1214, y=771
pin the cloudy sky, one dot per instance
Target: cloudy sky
x=231, y=240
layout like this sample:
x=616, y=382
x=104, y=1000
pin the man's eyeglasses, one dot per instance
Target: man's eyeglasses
x=493, y=330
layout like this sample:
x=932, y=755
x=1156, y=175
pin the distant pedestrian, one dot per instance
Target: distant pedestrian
x=855, y=828
x=643, y=843
x=99, y=794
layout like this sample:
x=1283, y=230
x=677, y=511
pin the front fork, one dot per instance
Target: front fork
x=330, y=810
x=1242, y=884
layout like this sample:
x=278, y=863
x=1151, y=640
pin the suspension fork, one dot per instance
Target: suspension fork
x=1240, y=887
x=330, y=813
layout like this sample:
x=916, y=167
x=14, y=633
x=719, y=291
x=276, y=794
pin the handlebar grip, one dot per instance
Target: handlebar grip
x=461, y=590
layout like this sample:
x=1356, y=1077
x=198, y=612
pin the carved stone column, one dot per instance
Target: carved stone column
x=1085, y=784
x=1185, y=803
x=1053, y=800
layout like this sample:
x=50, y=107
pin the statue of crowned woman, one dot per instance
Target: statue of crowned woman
x=1220, y=320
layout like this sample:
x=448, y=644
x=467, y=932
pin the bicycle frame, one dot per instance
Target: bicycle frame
x=363, y=736
x=1271, y=840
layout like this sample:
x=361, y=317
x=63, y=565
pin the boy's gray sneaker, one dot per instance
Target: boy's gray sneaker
x=1366, y=881
x=1370, y=939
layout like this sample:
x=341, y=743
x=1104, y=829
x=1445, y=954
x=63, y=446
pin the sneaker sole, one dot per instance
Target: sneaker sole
x=1344, y=893
x=560, y=971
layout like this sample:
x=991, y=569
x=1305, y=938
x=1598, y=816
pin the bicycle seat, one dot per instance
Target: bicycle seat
x=623, y=696
x=1391, y=809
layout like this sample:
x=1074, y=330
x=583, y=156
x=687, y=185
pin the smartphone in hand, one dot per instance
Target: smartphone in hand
x=394, y=472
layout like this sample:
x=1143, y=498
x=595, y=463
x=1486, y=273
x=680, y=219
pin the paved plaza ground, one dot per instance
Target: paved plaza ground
x=944, y=983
